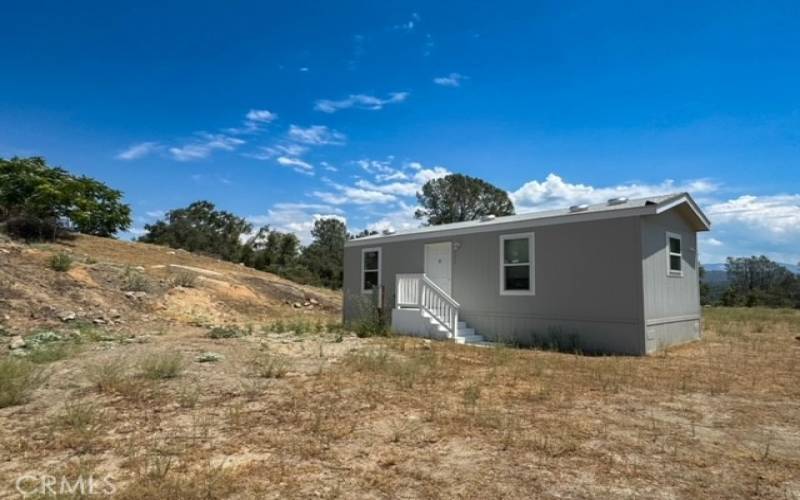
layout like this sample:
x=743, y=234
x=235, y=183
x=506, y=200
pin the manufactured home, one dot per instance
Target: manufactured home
x=617, y=277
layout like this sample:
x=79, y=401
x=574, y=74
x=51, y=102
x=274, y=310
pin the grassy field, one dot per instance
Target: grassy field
x=300, y=410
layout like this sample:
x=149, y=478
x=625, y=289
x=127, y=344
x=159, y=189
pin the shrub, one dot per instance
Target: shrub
x=107, y=376
x=266, y=365
x=162, y=366
x=185, y=279
x=60, y=262
x=134, y=281
x=18, y=379
x=372, y=321
x=50, y=353
x=227, y=332
x=31, y=228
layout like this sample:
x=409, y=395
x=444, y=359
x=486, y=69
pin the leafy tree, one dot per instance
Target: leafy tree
x=458, y=198
x=705, y=288
x=47, y=200
x=200, y=227
x=272, y=250
x=758, y=281
x=323, y=257
x=361, y=234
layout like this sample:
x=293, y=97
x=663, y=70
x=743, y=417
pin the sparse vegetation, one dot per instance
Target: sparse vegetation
x=61, y=262
x=18, y=379
x=134, y=281
x=228, y=332
x=186, y=279
x=163, y=365
x=264, y=364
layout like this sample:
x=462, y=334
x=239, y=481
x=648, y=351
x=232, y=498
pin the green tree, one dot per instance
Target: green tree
x=458, y=198
x=200, y=227
x=37, y=196
x=324, y=256
x=758, y=281
x=705, y=288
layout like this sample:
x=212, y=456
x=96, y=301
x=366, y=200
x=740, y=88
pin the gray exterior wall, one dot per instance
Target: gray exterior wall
x=671, y=303
x=588, y=284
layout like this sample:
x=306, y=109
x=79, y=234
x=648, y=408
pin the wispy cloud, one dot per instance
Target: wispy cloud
x=359, y=101
x=316, y=135
x=296, y=164
x=261, y=116
x=203, y=148
x=137, y=151
x=451, y=80
x=410, y=25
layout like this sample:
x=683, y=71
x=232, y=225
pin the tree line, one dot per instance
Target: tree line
x=41, y=202
x=752, y=281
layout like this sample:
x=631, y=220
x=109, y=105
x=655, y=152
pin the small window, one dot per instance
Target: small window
x=370, y=269
x=674, y=255
x=516, y=264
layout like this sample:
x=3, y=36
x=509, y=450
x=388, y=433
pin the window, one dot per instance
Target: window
x=516, y=264
x=674, y=255
x=370, y=269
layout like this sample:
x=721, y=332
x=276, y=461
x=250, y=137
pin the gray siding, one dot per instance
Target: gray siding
x=588, y=283
x=671, y=303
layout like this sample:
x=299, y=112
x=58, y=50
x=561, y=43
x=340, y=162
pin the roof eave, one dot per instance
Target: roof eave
x=703, y=222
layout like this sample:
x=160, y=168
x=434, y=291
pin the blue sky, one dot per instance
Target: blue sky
x=283, y=112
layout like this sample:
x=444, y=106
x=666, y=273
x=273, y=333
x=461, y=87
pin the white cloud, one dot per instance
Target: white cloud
x=451, y=80
x=297, y=218
x=353, y=195
x=359, y=101
x=409, y=25
x=297, y=165
x=261, y=116
x=554, y=192
x=712, y=242
x=400, y=219
x=202, y=149
x=156, y=214
x=394, y=188
x=316, y=135
x=139, y=151
x=777, y=214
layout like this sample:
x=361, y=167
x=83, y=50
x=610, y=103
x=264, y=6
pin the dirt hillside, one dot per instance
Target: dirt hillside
x=119, y=283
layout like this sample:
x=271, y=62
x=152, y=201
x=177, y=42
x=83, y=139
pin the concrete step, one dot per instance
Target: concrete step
x=469, y=340
x=465, y=332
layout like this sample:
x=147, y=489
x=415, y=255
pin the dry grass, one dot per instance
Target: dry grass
x=398, y=417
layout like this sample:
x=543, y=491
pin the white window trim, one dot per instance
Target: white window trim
x=531, y=263
x=380, y=274
x=670, y=253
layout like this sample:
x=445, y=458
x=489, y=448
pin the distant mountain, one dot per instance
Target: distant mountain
x=716, y=273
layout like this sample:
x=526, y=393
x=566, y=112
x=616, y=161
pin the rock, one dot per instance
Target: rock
x=138, y=268
x=6, y=317
x=136, y=295
x=113, y=313
x=209, y=357
x=297, y=305
x=17, y=342
x=306, y=304
x=99, y=321
x=171, y=252
x=19, y=353
x=67, y=316
x=313, y=301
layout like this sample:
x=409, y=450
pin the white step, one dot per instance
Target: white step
x=465, y=332
x=469, y=340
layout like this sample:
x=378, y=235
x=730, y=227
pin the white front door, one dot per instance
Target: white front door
x=438, y=265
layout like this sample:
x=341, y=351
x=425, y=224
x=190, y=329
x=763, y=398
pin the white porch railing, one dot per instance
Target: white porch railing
x=418, y=291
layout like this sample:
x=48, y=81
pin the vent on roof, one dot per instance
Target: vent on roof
x=487, y=218
x=389, y=231
x=618, y=200
x=579, y=208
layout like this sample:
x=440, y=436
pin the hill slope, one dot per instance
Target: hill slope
x=120, y=283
